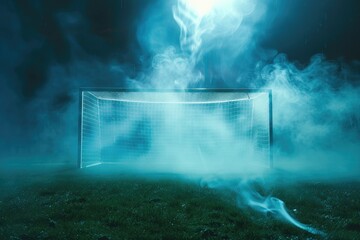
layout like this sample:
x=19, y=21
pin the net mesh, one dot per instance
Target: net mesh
x=213, y=128
x=90, y=130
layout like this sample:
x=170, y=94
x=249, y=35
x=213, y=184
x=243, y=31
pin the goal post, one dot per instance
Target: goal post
x=194, y=128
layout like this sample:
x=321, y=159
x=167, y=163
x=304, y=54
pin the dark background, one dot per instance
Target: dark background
x=39, y=37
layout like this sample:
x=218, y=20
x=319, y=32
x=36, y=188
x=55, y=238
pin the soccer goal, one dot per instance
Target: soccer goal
x=176, y=129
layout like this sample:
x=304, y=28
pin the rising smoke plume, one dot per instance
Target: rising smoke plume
x=314, y=107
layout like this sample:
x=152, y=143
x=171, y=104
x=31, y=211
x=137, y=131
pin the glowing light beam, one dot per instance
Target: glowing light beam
x=200, y=7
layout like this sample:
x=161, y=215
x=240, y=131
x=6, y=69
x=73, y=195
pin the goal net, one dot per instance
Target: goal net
x=197, y=129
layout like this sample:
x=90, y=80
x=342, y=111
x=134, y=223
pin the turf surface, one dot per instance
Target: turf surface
x=78, y=204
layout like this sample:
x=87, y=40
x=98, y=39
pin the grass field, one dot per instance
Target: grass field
x=83, y=204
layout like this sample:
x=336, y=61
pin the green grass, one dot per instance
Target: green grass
x=75, y=204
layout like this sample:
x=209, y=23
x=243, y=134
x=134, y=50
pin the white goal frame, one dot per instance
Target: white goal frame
x=82, y=91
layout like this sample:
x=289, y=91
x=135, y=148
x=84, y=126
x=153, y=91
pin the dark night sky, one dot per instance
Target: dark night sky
x=304, y=28
x=37, y=35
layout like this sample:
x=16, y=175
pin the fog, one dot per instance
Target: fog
x=316, y=115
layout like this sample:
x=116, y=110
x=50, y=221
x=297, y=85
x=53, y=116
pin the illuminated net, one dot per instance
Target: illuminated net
x=213, y=128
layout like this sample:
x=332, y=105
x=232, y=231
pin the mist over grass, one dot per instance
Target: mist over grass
x=95, y=203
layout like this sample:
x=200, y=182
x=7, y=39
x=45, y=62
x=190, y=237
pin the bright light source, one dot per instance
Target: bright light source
x=200, y=7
